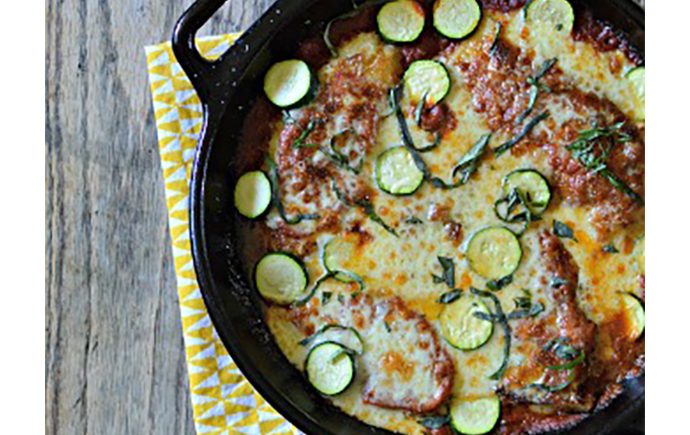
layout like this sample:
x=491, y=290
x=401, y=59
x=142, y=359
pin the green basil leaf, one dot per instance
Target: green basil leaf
x=525, y=130
x=562, y=230
x=610, y=248
x=497, y=39
x=450, y=297
x=448, y=275
x=498, y=284
x=501, y=319
x=275, y=194
x=434, y=422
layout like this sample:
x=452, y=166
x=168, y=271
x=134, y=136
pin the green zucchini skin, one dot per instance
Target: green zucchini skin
x=386, y=158
x=634, y=71
x=387, y=12
x=475, y=417
x=277, y=73
x=440, y=27
x=296, y=262
x=335, y=326
x=437, y=71
x=310, y=362
x=506, y=239
x=535, y=11
x=634, y=307
x=637, y=77
x=460, y=314
x=237, y=195
x=328, y=262
x=538, y=178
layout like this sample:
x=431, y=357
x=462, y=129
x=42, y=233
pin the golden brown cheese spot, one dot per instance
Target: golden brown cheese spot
x=439, y=212
x=394, y=362
x=465, y=280
x=394, y=380
x=498, y=84
x=401, y=278
x=611, y=208
x=628, y=245
x=477, y=360
x=438, y=117
x=429, y=307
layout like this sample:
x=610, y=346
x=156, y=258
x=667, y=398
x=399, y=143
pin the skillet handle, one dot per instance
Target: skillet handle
x=202, y=73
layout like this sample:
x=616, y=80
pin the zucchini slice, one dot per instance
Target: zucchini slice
x=401, y=21
x=456, y=19
x=533, y=185
x=475, y=416
x=336, y=253
x=289, y=83
x=494, y=252
x=461, y=328
x=427, y=80
x=634, y=314
x=636, y=76
x=330, y=368
x=280, y=278
x=397, y=173
x=252, y=194
x=556, y=13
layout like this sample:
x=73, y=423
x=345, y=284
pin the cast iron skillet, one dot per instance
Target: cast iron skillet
x=227, y=87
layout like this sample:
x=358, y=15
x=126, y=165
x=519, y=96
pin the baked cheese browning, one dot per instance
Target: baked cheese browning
x=438, y=119
x=560, y=365
x=559, y=361
x=559, y=264
x=602, y=35
x=610, y=208
x=419, y=381
x=524, y=418
x=330, y=138
x=502, y=81
x=409, y=369
x=498, y=81
x=586, y=28
x=617, y=355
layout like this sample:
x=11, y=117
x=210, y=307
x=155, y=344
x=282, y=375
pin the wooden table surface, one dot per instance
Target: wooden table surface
x=114, y=354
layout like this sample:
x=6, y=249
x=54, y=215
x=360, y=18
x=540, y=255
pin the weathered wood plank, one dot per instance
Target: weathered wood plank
x=114, y=354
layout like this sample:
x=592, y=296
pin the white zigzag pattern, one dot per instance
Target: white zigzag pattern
x=219, y=407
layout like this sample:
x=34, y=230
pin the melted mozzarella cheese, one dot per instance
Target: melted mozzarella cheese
x=403, y=266
x=588, y=69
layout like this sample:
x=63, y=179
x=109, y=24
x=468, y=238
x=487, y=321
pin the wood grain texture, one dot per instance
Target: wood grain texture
x=114, y=353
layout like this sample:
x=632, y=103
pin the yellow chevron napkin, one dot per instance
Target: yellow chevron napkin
x=224, y=402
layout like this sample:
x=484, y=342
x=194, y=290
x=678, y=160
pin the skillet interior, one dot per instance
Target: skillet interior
x=233, y=305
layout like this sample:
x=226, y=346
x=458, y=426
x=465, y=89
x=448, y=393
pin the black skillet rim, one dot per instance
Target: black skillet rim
x=627, y=403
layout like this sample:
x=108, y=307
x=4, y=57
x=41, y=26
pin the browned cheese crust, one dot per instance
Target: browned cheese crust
x=402, y=368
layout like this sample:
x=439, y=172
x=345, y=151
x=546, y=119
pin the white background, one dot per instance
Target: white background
x=22, y=177
x=22, y=214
